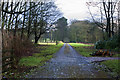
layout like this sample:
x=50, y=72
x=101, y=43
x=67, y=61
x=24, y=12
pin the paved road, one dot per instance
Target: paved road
x=67, y=63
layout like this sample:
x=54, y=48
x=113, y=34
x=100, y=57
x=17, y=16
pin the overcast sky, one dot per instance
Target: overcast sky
x=77, y=9
x=73, y=9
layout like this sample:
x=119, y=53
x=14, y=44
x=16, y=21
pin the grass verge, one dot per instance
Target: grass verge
x=116, y=55
x=47, y=43
x=113, y=66
x=87, y=49
x=83, y=49
x=38, y=59
x=27, y=64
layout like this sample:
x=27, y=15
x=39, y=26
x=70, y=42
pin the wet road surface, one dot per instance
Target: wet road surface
x=67, y=63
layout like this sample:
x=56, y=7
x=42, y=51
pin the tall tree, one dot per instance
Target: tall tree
x=107, y=10
x=119, y=23
x=61, y=26
x=43, y=18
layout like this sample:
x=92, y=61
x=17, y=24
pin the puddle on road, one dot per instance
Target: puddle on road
x=68, y=64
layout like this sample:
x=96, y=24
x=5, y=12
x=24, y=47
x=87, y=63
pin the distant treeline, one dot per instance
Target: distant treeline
x=78, y=31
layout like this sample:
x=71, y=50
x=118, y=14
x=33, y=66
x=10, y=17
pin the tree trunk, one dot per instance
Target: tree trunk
x=119, y=23
x=16, y=26
x=36, y=40
x=108, y=17
x=29, y=24
x=109, y=28
x=23, y=24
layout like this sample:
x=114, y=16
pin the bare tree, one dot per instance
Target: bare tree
x=109, y=8
x=43, y=18
x=119, y=23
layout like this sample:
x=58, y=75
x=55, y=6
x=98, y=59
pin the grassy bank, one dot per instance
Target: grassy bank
x=38, y=59
x=113, y=66
x=43, y=53
x=87, y=49
x=83, y=49
x=47, y=43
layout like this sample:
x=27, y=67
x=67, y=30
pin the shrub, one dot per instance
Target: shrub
x=100, y=44
x=111, y=43
x=117, y=49
x=20, y=47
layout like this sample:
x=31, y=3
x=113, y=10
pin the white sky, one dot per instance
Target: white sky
x=77, y=9
x=73, y=9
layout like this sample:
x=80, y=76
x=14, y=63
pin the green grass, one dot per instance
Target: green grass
x=79, y=47
x=32, y=61
x=116, y=55
x=112, y=65
x=47, y=43
x=40, y=58
x=80, y=44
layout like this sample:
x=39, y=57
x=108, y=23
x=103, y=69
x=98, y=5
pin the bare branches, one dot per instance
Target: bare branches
x=30, y=17
x=97, y=23
x=109, y=8
x=18, y=12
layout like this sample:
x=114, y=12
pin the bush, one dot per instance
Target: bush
x=20, y=47
x=100, y=44
x=117, y=49
x=111, y=43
